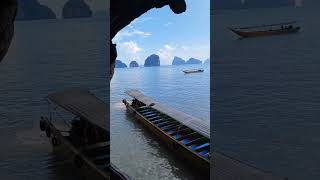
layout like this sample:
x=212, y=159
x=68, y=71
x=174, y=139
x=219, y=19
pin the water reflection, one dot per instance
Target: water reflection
x=33, y=68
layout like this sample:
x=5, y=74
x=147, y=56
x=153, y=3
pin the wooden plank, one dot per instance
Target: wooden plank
x=193, y=123
x=82, y=102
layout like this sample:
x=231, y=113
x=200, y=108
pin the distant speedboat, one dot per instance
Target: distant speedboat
x=266, y=30
x=192, y=71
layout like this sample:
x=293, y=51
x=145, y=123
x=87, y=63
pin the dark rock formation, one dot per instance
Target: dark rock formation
x=76, y=9
x=33, y=10
x=194, y=61
x=153, y=60
x=133, y=64
x=8, y=9
x=178, y=61
x=120, y=64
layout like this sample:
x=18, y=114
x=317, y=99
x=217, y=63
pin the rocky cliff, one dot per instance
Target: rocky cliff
x=153, y=60
x=76, y=9
x=178, y=61
x=120, y=64
x=133, y=64
x=194, y=61
x=33, y=10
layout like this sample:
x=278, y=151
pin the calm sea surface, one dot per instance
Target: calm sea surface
x=134, y=149
x=266, y=92
x=45, y=56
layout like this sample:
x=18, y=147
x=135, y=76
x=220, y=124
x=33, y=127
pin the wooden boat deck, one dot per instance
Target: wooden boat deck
x=189, y=138
x=184, y=130
x=265, y=30
x=193, y=123
x=91, y=157
x=87, y=156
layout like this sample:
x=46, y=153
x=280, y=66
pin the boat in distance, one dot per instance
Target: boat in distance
x=266, y=30
x=84, y=139
x=192, y=71
x=186, y=136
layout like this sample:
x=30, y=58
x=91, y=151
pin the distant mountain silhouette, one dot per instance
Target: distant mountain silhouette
x=193, y=61
x=133, y=64
x=120, y=64
x=76, y=9
x=33, y=10
x=178, y=61
x=152, y=60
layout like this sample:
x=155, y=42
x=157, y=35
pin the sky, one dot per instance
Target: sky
x=161, y=32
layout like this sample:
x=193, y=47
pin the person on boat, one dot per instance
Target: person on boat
x=123, y=12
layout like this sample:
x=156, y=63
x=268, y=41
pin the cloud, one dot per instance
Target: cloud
x=169, y=51
x=130, y=33
x=129, y=47
x=185, y=48
x=168, y=24
x=141, y=20
x=166, y=54
x=128, y=51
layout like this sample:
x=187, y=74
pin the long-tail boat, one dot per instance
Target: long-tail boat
x=187, y=136
x=86, y=140
x=266, y=30
x=192, y=71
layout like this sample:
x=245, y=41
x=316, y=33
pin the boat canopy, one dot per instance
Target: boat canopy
x=193, y=123
x=81, y=102
x=266, y=25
